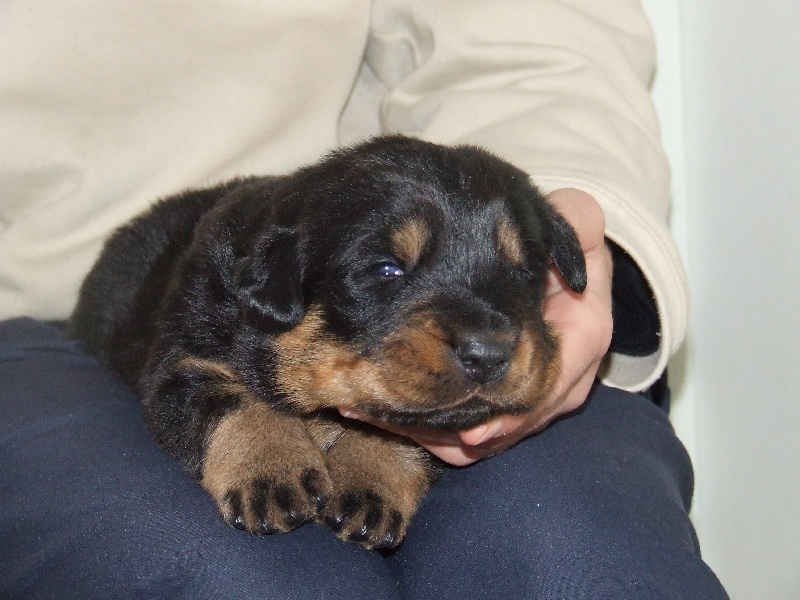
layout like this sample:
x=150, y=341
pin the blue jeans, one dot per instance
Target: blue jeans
x=593, y=507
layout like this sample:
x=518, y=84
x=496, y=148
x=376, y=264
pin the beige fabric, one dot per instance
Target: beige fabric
x=105, y=106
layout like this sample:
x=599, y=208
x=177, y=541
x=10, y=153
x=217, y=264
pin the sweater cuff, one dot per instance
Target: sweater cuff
x=636, y=324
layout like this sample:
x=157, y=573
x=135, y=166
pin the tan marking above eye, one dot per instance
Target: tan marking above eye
x=409, y=240
x=509, y=241
x=223, y=377
x=221, y=370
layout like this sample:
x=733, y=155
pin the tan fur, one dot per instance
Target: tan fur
x=194, y=363
x=227, y=381
x=509, y=241
x=415, y=367
x=367, y=464
x=256, y=444
x=408, y=241
x=324, y=431
x=531, y=373
x=316, y=371
x=417, y=362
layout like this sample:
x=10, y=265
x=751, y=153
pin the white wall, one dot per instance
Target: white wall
x=730, y=106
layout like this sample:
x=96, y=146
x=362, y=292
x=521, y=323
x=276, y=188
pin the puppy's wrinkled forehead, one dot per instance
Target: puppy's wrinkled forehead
x=457, y=218
x=481, y=232
x=463, y=203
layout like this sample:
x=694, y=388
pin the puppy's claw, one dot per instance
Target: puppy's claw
x=348, y=505
x=234, y=515
x=267, y=528
x=334, y=522
x=387, y=542
x=313, y=483
x=373, y=512
x=394, y=529
x=291, y=510
x=361, y=536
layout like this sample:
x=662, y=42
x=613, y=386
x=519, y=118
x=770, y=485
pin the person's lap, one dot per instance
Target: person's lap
x=594, y=507
x=90, y=507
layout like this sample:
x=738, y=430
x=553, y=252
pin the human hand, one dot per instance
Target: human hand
x=583, y=325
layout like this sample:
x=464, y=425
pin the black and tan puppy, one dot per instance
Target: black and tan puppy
x=400, y=278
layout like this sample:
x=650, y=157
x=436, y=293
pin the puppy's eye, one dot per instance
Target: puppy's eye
x=388, y=270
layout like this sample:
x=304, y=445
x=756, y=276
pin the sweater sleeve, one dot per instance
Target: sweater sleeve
x=559, y=88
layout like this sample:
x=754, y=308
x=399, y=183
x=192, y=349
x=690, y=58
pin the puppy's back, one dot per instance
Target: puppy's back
x=114, y=316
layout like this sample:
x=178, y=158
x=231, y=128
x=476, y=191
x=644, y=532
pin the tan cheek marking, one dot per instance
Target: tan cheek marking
x=408, y=241
x=419, y=356
x=533, y=371
x=317, y=372
x=412, y=368
x=509, y=241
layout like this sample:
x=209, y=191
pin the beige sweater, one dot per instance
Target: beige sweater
x=105, y=106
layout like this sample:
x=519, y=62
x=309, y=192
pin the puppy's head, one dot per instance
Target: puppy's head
x=411, y=284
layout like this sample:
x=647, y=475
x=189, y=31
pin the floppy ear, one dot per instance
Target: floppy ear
x=566, y=252
x=269, y=281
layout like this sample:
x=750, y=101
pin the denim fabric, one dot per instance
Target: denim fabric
x=594, y=507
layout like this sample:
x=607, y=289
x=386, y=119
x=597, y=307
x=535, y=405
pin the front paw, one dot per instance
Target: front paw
x=378, y=483
x=268, y=505
x=363, y=517
x=264, y=472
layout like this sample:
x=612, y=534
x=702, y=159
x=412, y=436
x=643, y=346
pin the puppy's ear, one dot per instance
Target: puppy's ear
x=269, y=281
x=567, y=253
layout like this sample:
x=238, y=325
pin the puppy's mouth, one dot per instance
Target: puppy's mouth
x=464, y=415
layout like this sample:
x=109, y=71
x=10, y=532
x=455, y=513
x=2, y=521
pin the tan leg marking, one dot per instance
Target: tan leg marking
x=264, y=470
x=379, y=481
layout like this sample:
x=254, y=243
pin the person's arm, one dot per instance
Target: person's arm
x=560, y=88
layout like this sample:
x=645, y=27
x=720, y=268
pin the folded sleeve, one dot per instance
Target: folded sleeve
x=559, y=88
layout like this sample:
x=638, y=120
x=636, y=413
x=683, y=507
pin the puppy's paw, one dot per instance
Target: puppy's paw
x=264, y=471
x=268, y=505
x=364, y=517
x=378, y=484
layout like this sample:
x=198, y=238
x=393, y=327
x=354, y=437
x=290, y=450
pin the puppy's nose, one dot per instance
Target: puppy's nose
x=484, y=356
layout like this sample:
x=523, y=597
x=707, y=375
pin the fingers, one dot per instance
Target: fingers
x=583, y=322
x=484, y=433
x=447, y=446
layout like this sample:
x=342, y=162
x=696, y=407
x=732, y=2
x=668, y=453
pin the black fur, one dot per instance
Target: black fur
x=218, y=274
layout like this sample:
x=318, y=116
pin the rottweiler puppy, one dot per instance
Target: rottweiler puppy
x=400, y=278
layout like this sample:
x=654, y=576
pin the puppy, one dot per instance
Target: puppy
x=400, y=278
